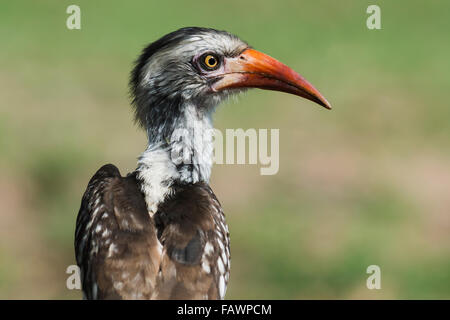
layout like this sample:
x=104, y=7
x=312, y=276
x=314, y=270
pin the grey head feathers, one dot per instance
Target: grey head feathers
x=174, y=102
x=165, y=77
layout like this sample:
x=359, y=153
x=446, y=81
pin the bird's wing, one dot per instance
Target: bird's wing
x=115, y=239
x=183, y=253
x=195, y=261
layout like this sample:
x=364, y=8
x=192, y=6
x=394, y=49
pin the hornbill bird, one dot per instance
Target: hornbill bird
x=160, y=232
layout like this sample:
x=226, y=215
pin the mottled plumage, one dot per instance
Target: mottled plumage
x=160, y=232
x=181, y=253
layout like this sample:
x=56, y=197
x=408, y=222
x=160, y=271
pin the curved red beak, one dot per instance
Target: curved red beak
x=254, y=69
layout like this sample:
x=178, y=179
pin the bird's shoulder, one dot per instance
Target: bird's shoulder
x=107, y=190
x=115, y=239
x=191, y=228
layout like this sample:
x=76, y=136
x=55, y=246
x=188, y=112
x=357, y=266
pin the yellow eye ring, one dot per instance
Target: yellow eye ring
x=211, y=61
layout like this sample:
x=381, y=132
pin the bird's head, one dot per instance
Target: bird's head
x=201, y=67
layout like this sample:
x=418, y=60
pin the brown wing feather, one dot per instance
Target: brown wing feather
x=183, y=253
x=115, y=241
x=193, y=242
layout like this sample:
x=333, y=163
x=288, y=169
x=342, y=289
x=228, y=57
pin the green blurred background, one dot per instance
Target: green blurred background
x=367, y=183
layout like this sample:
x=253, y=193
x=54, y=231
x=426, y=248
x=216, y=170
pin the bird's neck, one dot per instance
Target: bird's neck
x=179, y=151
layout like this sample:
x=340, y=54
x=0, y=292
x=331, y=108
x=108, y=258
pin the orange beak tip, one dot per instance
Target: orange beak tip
x=254, y=69
x=327, y=105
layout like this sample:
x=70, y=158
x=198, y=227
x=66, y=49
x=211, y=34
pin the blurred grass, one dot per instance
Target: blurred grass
x=364, y=184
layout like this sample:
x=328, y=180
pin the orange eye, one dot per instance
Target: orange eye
x=210, y=61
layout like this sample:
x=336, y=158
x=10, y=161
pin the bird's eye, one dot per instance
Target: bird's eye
x=210, y=62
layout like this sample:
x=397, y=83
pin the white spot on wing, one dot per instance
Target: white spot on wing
x=105, y=233
x=118, y=285
x=221, y=266
x=112, y=250
x=208, y=248
x=205, y=266
x=94, y=290
x=221, y=245
x=222, y=287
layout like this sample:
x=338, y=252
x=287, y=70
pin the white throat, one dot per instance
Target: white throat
x=185, y=157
